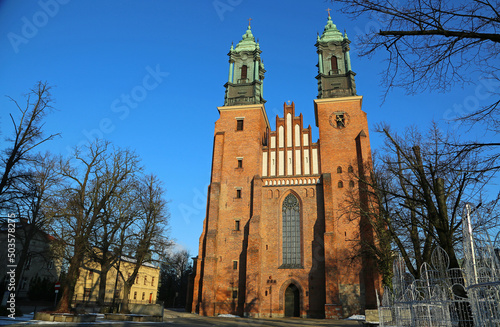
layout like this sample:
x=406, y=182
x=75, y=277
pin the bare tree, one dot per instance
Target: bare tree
x=431, y=44
x=148, y=234
x=105, y=245
x=27, y=135
x=93, y=176
x=174, y=275
x=416, y=195
x=34, y=190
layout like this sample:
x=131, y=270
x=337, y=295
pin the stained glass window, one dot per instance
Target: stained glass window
x=291, y=232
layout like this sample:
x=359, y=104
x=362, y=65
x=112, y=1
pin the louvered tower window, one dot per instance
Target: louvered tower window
x=335, y=68
x=291, y=232
x=244, y=69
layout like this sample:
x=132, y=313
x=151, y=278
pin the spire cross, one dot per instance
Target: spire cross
x=329, y=12
x=249, y=21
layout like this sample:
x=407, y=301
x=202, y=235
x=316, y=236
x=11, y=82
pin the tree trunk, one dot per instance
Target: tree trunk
x=22, y=260
x=101, y=298
x=126, y=294
x=68, y=288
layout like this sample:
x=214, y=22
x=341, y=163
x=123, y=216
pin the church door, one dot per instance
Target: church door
x=292, y=301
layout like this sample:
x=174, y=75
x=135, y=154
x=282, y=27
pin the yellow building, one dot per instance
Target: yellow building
x=144, y=290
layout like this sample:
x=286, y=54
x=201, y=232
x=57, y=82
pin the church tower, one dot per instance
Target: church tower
x=246, y=73
x=335, y=77
x=345, y=143
x=275, y=241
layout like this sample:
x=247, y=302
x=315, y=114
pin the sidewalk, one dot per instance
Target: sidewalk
x=9, y=321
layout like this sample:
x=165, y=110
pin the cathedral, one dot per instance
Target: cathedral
x=276, y=241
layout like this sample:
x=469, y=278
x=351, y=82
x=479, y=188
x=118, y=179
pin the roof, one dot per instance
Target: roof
x=132, y=260
x=247, y=42
x=331, y=32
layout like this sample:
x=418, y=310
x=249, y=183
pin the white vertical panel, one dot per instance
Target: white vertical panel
x=273, y=142
x=305, y=137
x=273, y=163
x=315, y=163
x=297, y=135
x=288, y=129
x=282, y=163
x=306, y=162
x=264, y=163
x=289, y=162
x=297, y=162
x=281, y=135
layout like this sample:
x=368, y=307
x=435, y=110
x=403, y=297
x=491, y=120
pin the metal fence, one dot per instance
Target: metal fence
x=468, y=296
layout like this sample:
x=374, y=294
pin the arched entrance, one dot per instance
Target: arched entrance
x=292, y=301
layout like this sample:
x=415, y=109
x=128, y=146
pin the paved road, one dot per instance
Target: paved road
x=212, y=321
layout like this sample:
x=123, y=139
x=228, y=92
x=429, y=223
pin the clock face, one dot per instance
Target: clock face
x=339, y=119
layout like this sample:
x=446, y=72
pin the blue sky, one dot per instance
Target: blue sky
x=149, y=74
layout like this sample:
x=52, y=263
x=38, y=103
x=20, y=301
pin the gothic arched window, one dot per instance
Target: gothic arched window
x=291, y=232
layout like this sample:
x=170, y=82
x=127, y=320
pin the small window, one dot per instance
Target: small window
x=135, y=295
x=235, y=265
x=238, y=194
x=235, y=294
x=137, y=280
x=341, y=184
x=351, y=184
x=239, y=124
x=143, y=295
x=350, y=170
x=339, y=170
x=244, y=71
x=236, y=225
x=90, y=275
x=145, y=280
x=152, y=281
x=240, y=163
x=335, y=68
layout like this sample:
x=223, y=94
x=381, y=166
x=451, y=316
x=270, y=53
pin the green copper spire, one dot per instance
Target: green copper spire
x=335, y=76
x=246, y=72
x=247, y=42
x=331, y=33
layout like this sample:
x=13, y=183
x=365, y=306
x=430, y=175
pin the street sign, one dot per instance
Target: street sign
x=57, y=286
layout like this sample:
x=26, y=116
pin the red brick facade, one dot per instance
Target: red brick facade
x=257, y=259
